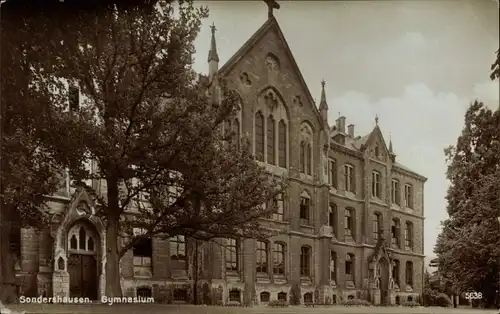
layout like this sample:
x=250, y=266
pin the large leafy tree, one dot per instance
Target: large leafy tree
x=467, y=249
x=169, y=163
x=28, y=170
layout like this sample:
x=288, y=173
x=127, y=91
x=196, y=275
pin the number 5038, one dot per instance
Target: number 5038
x=473, y=295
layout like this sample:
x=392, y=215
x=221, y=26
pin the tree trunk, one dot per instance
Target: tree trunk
x=113, y=286
x=8, y=287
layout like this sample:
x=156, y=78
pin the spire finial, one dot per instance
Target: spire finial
x=323, y=105
x=212, y=54
x=390, y=143
x=271, y=5
x=376, y=119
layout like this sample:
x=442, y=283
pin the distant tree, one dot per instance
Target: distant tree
x=163, y=148
x=495, y=67
x=467, y=248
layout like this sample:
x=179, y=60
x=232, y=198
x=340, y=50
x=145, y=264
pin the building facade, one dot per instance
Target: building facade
x=351, y=220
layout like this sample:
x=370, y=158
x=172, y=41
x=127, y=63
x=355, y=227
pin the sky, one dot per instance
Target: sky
x=416, y=64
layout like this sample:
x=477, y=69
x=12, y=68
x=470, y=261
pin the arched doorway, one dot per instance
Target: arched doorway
x=83, y=247
x=384, y=281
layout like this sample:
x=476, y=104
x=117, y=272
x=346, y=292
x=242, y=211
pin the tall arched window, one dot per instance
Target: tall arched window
x=282, y=138
x=308, y=159
x=303, y=157
x=306, y=137
x=271, y=129
x=409, y=236
x=259, y=136
x=349, y=222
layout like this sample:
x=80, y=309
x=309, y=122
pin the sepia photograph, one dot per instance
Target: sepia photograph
x=162, y=156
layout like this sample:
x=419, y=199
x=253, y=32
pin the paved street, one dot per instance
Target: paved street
x=188, y=309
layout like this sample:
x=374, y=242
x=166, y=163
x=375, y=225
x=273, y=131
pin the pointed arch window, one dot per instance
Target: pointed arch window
x=271, y=129
x=308, y=159
x=303, y=157
x=259, y=136
x=282, y=144
x=82, y=239
x=332, y=218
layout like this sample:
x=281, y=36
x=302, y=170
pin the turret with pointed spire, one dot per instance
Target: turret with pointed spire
x=323, y=105
x=213, y=57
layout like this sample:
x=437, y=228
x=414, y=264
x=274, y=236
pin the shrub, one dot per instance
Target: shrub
x=444, y=300
x=278, y=303
x=411, y=304
x=355, y=302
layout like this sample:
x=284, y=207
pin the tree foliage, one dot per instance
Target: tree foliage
x=495, y=67
x=467, y=248
x=157, y=137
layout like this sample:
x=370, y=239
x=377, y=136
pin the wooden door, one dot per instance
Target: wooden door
x=82, y=271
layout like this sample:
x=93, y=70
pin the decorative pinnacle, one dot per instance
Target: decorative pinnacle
x=212, y=54
x=376, y=119
x=323, y=83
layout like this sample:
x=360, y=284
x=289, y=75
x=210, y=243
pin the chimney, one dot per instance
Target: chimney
x=341, y=124
x=350, y=130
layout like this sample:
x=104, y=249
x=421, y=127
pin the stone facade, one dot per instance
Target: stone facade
x=351, y=220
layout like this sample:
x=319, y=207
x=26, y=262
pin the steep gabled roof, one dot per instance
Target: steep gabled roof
x=375, y=133
x=270, y=24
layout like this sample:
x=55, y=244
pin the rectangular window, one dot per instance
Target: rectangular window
x=349, y=223
x=349, y=267
x=279, y=259
x=408, y=196
x=262, y=257
x=333, y=266
x=377, y=226
x=178, y=252
x=279, y=207
x=409, y=273
x=409, y=236
x=305, y=261
x=332, y=173
x=332, y=218
x=395, y=229
x=304, y=209
x=142, y=251
x=350, y=183
x=395, y=192
x=231, y=255
x=376, y=184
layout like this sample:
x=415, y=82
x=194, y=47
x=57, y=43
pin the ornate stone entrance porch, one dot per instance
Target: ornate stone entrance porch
x=79, y=251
